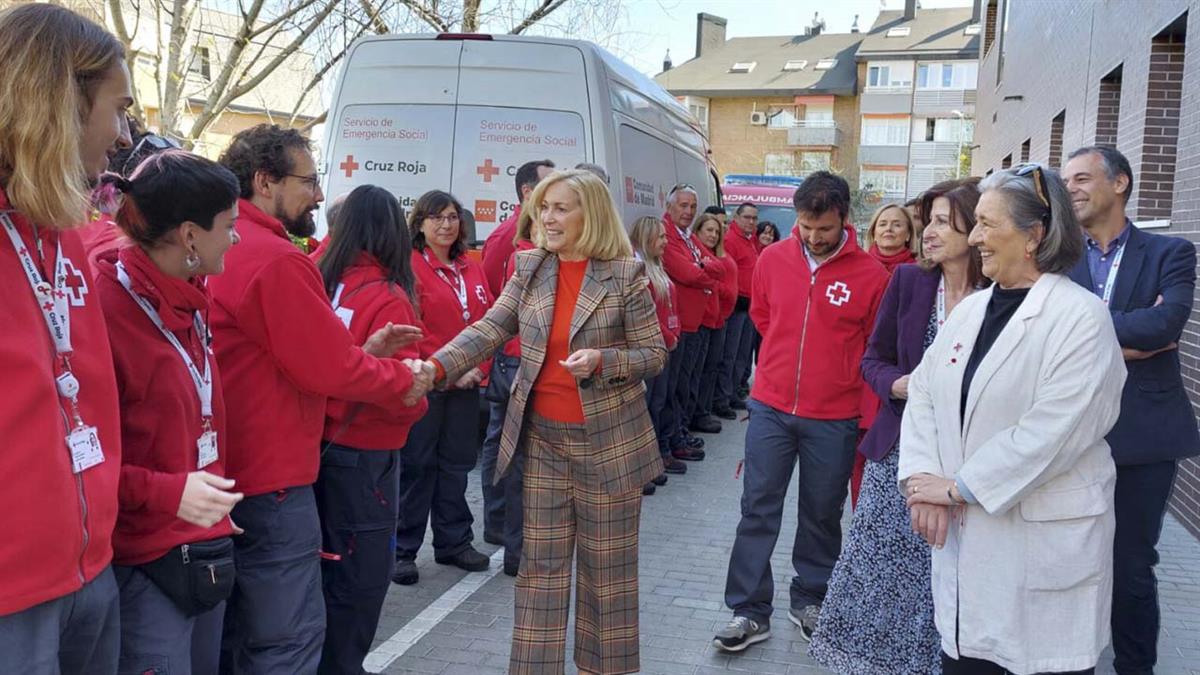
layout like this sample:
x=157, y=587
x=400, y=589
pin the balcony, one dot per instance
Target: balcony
x=883, y=155
x=926, y=153
x=943, y=102
x=886, y=100
x=814, y=133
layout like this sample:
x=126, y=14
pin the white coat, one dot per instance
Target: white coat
x=1025, y=577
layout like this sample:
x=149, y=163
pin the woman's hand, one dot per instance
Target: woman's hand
x=472, y=377
x=582, y=363
x=391, y=339
x=900, y=388
x=207, y=499
x=931, y=522
x=423, y=376
x=925, y=488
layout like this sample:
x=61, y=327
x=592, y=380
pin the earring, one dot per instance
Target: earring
x=192, y=261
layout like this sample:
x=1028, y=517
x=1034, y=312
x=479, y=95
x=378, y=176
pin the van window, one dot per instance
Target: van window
x=647, y=174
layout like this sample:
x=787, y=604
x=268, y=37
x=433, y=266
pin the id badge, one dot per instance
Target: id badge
x=84, y=443
x=673, y=322
x=207, y=444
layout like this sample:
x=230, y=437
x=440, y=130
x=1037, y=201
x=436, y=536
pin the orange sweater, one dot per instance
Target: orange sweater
x=555, y=391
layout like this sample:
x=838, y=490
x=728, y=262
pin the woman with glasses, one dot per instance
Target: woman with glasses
x=1002, y=451
x=452, y=293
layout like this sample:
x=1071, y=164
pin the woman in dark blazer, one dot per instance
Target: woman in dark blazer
x=883, y=571
x=578, y=422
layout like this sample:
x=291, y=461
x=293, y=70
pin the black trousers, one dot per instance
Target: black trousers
x=357, y=493
x=1140, y=504
x=967, y=666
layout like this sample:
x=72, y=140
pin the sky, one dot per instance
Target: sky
x=651, y=27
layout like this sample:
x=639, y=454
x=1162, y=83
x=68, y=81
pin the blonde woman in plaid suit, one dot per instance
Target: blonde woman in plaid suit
x=577, y=421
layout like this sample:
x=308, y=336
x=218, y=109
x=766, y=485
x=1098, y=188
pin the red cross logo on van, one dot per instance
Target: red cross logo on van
x=488, y=171
x=838, y=293
x=349, y=166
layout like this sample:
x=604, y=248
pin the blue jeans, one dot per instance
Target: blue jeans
x=775, y=443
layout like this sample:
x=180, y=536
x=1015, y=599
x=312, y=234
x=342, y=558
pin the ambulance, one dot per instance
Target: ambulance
x=461, y=112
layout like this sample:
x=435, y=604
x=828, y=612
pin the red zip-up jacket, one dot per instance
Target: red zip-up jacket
x=366, y=302
x=720, y=303
x=744, y=250
x=440, y=309
x=668, y=318
x=815, y=327
x=695, y=280
x=497, y=250
x=160, y=409
x=513, y=346
x=283, y=352
x=57, y=525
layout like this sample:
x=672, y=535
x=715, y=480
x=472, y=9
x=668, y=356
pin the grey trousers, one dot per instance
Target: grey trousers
x=77, y=634
x=158, y=638
x=775, y=443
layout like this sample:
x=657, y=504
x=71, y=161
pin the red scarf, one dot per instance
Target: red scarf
x=891, y=262
x=175, y=299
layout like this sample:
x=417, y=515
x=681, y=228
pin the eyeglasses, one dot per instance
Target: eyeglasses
x=147, y=145
x=452, y=219
x=1039, y=185
x=681, y=186
x=311, y=180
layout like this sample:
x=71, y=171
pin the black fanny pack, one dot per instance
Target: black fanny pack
x=196, y=577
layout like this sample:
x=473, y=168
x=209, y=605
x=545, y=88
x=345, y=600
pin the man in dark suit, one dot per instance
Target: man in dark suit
x=1148, y=282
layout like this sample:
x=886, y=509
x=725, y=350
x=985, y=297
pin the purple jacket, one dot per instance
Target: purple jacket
x=894, y=350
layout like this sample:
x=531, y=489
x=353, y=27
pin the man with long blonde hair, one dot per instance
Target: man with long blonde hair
x=64, y=92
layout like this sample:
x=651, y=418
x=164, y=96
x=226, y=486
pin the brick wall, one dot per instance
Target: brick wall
x=1086, y=41
x=1156, y=184
x=1055, y=156
x=740, y=147
x=1108, y=110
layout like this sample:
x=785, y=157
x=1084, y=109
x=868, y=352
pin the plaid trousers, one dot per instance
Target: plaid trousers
x=566, y=509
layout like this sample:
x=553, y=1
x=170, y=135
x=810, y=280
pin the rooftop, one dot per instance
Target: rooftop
x=932, y=31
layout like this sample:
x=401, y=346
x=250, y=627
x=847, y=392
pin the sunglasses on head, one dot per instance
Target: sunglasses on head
x=681, y=186
x=1039, y=185
x=148, y=145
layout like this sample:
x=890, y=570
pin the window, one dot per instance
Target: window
x=780, y=164
x=899, y=31
x=1056, y=138
x=890, y=75
x=201, y=66
x=1164, y=92
x=700, y=112
x=962, y=75
x=972, y=29
x=743, y=66
x=781, y=117
x=1025, y=150
x=795, y=65
x=885, y=131
x=881, y=180
x=814, y=161
x=1108, y=107
x=826, y=64
x=818, y=117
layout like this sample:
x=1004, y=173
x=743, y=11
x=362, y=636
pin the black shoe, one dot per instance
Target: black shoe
x=688, y=454
x=468, y=559
x=705, y=425
x=493, y=538
x=725, y=413
x=672, y=465
x=660, y=480
x=649, y=489
x=511, y=568
x=694, y=442
x=405, y=573
x=738, y=404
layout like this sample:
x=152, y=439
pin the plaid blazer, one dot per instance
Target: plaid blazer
x=614, y=314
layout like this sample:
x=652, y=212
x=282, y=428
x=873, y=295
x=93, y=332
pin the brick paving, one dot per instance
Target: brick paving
x=686, y=535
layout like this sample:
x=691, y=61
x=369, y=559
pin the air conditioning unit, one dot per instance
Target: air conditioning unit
x=758, y=118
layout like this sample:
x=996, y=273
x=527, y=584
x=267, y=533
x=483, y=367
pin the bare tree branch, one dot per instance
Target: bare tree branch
x=319, y=119
x=283, y=17
x=123, y=34
x=427, y=15
x=375, y=13
x=537, y=15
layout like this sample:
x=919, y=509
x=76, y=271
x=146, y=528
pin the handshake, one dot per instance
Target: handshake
x=424, y=374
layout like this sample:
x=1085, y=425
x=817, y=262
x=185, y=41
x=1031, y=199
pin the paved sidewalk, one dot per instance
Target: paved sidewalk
x=686, y=535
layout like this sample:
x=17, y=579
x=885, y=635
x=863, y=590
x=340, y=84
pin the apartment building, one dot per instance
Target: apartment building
x=917, y=88
x=1055, y=75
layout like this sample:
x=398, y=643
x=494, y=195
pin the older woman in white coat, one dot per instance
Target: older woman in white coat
x=1002, y=451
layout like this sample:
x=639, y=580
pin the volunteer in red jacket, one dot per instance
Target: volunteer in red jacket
x=711, y=233
x=172, y=551
x=739, y=331
x=649, y=239
x=814, y=298
x=64, y=92
x=367, y=271
x=282, y=352
x=696, y=277
x=500, y=243
x=452, y=294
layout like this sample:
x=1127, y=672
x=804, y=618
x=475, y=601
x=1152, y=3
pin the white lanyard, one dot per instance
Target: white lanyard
x=460, y=288
x=941, y=302
x=1111, y=282
x=201, y=379
x=687, y=239
x=52, y=300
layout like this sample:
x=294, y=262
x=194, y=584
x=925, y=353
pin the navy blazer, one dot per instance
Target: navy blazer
x=895, y=348
x=1157, y=422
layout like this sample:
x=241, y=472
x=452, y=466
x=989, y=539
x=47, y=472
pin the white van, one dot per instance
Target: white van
x=461, y=113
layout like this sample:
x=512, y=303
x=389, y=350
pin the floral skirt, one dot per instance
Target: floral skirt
x=877, y=617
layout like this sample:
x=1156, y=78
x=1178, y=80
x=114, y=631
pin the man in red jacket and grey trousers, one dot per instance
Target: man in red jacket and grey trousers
x=814, y=299
x=282, y=351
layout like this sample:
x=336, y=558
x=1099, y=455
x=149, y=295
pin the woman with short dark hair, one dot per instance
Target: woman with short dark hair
x=172, y=551
x=452, y=293
x=767, y=234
